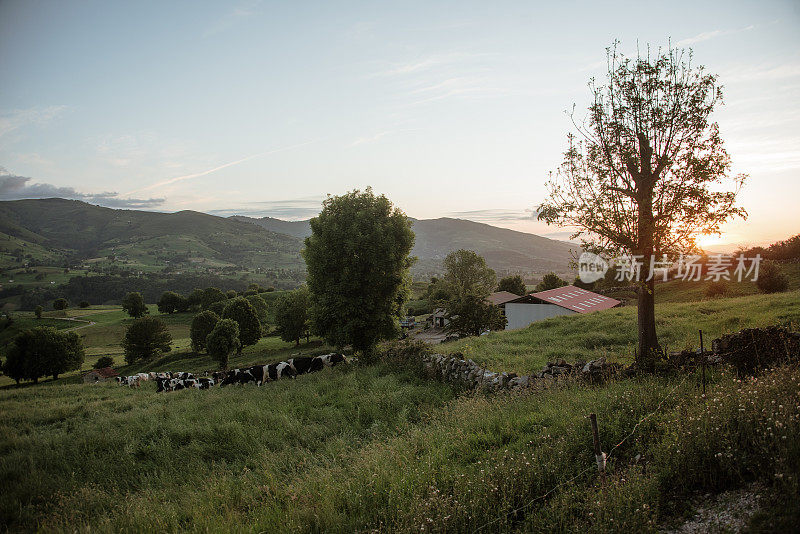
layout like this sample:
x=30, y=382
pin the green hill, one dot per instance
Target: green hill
x=505, y=250
x=56, y=230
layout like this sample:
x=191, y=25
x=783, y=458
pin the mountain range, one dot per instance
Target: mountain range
x=56, y=231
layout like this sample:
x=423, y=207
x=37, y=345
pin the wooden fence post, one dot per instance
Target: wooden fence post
x=703, y=362
x=599, y=456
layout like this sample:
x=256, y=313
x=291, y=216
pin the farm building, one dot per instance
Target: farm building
x=99, y=375
x=567, y=300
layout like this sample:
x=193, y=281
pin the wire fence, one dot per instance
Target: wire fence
x=590, y=468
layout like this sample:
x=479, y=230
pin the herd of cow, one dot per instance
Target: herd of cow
x=258, y=374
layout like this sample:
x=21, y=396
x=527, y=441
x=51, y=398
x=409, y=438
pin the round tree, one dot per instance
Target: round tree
x=170, y=302
x=513, y=284
x=146, y=337
x=291, y=315
x=261, y=308
x=202, y=325
x=223, y=341
x=771, y=279
x=466, y=273
x=358, y=261
x=550, y=281
x=60, y=304
x=241, y=311
x=134, y=305
x=103, y=361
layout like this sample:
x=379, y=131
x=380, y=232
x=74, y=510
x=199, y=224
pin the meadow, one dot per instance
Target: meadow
x=379, y=448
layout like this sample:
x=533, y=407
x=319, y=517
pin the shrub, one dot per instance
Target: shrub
x=84, y=304
x=771, y=279
x=716, y=289
x=60, y=304
x=202, y=325
x=103, y=361
x=406, y=356
x=145, y=338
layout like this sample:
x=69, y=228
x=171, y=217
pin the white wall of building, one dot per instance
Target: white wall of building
x=520, y=315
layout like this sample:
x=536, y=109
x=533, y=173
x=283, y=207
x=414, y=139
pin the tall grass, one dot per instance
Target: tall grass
x=362, y=449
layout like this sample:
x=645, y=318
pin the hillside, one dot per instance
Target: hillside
x=378, y=448
x=505, y=250
x=56, y=230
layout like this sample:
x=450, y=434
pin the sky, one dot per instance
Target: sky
x=451, y=109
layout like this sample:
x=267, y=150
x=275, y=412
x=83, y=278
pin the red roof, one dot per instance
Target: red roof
x=576, y=299
x=501, y=297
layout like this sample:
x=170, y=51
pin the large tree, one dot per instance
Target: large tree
x=43, y=351
x=145, y=338
x=466, y=273
x=643, y=178
x=223, y=341
x=202, y=325
x=358, y=262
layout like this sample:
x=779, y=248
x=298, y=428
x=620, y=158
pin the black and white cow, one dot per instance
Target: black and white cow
x=280, y=370
x=332, y=359
x=238, y=376
x=305, y=364
x=204, y=383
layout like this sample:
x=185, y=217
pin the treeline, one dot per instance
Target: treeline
x=788, y=249
x=108, y=289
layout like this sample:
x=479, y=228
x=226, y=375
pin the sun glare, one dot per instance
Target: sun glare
x=708, y=240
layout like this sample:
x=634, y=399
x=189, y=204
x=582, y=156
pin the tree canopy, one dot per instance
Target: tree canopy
x=358, y=269
x=466, y=273
x=550, y=281
x=645, y=175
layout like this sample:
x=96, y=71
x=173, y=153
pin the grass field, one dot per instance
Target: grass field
x=378, y=449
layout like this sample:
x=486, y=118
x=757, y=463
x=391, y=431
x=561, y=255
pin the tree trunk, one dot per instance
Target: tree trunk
x=646, y=312
x=55, y=376
x=297, y=342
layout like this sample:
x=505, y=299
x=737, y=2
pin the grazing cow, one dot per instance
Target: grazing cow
x=332, y=359
x=204, y=383
x=280, y=370
x=305, y=364
x=131, y=381
x=238, y=376
x=182, y=376
x=218, y=376
x=143, y=376
x=259, y=373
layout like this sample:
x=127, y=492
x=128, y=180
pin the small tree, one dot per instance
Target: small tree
x=471, y=315
x=103, y=361
x=589, y=286
x=223, y=341
x=169, y=302
x=202, y=325
x=550, y=281
x=513, y=284
x=195, y=299
x=84, y=304
x=145, y=338
x=134, y=305
x=291, y=315
x=470, y=281
x=357, y=259
x=211, y=295
x=260, y=305
x=38, y=312
x=466, y=273
x=60, y=304
x=241, y=311
x=771, y=279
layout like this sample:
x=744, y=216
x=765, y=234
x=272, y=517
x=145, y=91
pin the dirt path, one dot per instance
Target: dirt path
x=77, y=319
x=724, y=513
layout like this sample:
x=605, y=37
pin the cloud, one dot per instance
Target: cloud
x=18, y=118
x=170, y=181
x=14, y=187
x=489, y=215
x=239, y=13
x=707, y=36
x=291, y=210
